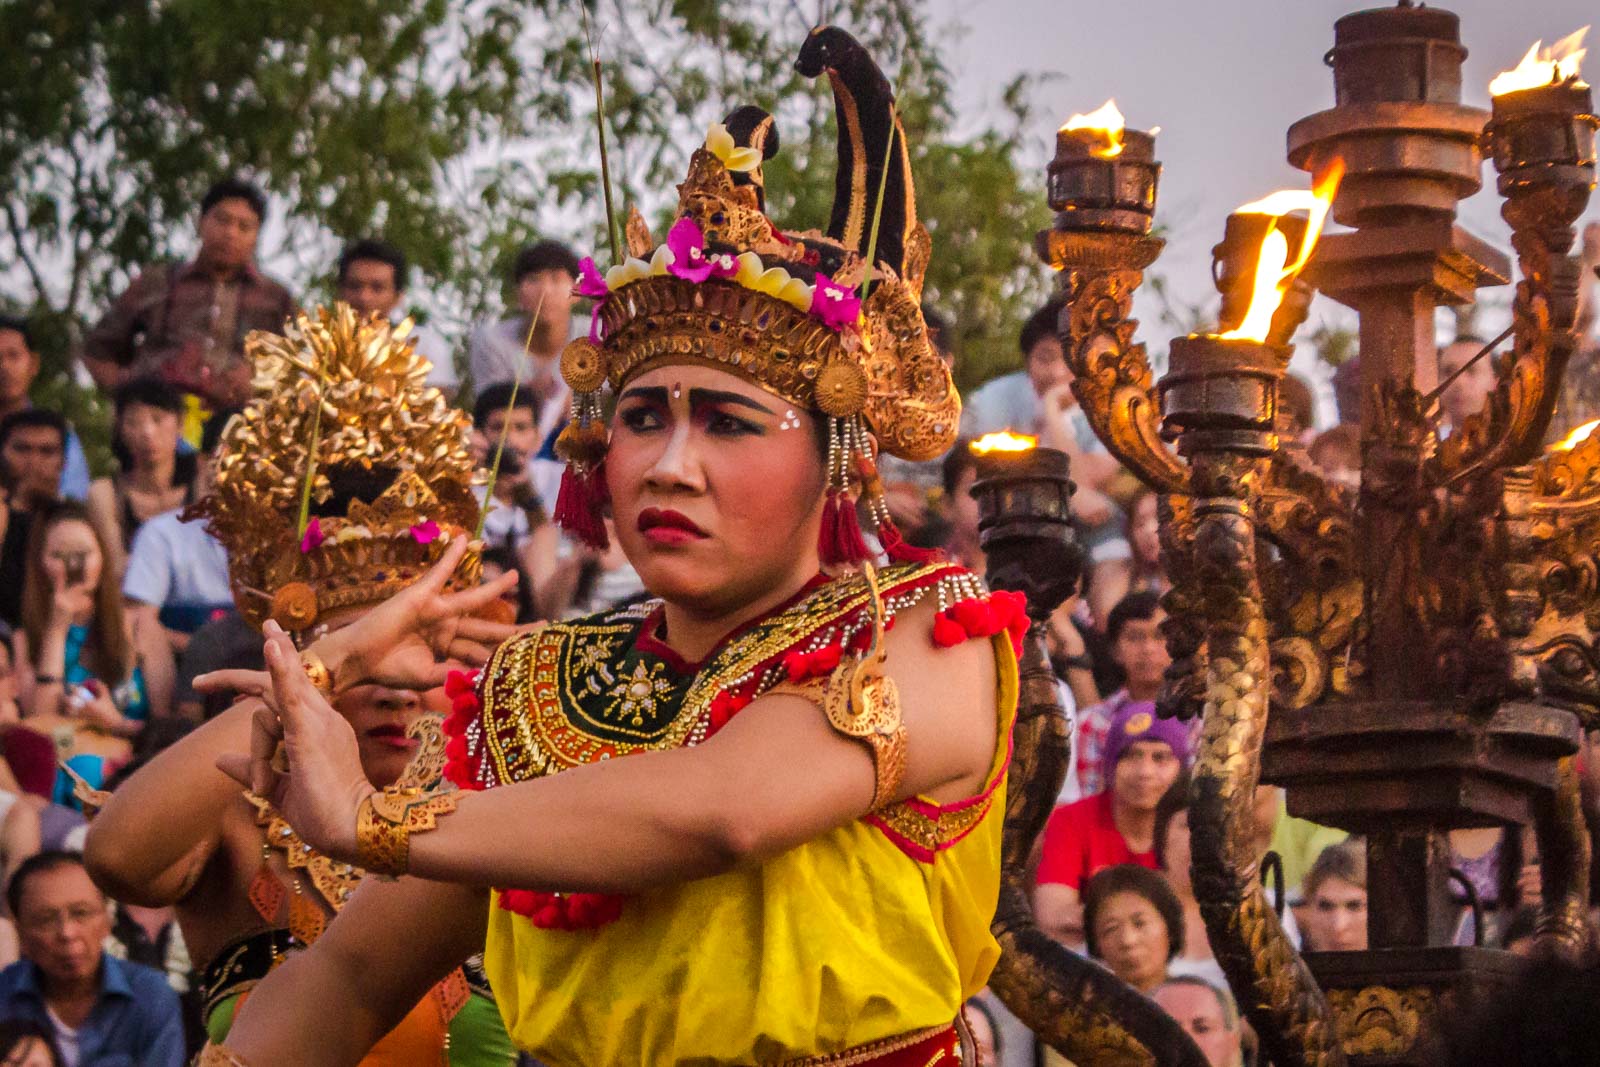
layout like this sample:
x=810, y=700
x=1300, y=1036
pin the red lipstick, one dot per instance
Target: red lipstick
x=667, y=527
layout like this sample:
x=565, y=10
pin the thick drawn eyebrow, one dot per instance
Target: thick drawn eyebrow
x=718, y=396
x=655, y=394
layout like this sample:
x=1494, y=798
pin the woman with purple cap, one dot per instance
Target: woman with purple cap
x=1144, y=755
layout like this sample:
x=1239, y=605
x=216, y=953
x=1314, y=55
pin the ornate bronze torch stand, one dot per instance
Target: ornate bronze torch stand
x=1411, y=659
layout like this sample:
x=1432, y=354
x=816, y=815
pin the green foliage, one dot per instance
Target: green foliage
x=458, y=130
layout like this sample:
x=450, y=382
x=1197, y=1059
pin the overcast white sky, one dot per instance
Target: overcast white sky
x=1223, y=79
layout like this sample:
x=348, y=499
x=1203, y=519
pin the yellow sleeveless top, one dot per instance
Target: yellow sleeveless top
x=874, y=929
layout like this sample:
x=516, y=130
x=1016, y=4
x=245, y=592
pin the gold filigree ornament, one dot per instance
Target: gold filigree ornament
x=1379, y=1020
x=390, y=486
x=864, y=703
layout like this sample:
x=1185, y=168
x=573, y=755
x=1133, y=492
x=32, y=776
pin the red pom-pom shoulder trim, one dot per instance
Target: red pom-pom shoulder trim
x=563, y=911
x=1002, y=611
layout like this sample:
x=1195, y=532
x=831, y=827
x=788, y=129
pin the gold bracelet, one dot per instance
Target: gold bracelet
x=317, y=671
x=386, y=820
x=218, y=1056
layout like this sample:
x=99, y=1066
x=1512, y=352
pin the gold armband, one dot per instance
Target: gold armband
x=387, y=819
x=218, y=1056
x=317, y=671
x=863, y=702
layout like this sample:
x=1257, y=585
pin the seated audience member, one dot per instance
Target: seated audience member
x=100, y=1009
x=1469, y=391
x=1133, y=924
x=518, y=508
x=1172, y=860
x=1336, y=900
x=958, y=473
x=19, y=367
x=498, y=560
x=373, y=275
x=1140, y=653
x=1148, y=575
x=1038, y=400
x=1298, y=842
x=24, y=1043
x=186, y=323
x=1337, y=453
x=1206, y=1012
x=81, y=683
x=176, y=581
x=1144, y=756
x=154, y=475
x=542, y=277
x=32, y=450
x=1499, y=864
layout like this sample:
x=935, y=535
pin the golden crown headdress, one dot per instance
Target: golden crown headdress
x=345, y=476
x=730, y=289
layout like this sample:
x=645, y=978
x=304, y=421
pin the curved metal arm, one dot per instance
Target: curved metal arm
x=1267, y=974
x=1510, y=429
x=1110, y=370
x=1075, y=1006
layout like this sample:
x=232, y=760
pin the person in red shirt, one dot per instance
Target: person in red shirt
x=1144, y=755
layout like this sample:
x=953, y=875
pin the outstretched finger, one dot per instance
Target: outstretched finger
x=296, y=698
x=440, y=573
x=245, y=683
x=485, y=631
x=468, y=601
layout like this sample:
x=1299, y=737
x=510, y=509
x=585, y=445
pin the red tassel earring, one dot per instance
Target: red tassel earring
x=894, y=545
x=840, y=541
x=582, y=500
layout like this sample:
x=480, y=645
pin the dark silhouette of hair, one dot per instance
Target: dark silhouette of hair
x=1140, y=605
x=1173, y=801
x=1040, y=324
x=496, y=397
x=544, y=255
x=372, y=250
x=1141, y=881
x=32, y=418
x=20, y=324
x=51, y=859
x=236, y=188
x=15, y=1033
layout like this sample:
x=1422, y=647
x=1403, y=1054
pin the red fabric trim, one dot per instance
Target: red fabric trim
x=983, y=617
x=563, y=911
x=460, y=767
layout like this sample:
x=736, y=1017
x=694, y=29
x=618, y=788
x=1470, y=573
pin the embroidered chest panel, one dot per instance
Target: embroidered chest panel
x=595, y=689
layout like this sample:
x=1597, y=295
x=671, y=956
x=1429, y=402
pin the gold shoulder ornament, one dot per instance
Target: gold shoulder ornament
x=864, y=703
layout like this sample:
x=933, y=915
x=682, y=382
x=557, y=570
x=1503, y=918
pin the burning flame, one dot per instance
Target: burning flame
x=1105, y=120
x=1004, y=441
x=1274, y=272
x=1576, y=437
x=1544, y=66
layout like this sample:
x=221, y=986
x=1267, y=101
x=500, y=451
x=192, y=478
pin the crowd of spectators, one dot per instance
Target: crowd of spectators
x=111, y=604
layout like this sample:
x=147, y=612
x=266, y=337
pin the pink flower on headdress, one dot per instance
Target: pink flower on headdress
x=723, y=264
x=312, y=537
x=592, y=284
x=688, y=247
x=425, y=533
x=836, y=305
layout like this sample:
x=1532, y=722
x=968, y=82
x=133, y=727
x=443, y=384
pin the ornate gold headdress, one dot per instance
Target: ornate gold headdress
x=339, y=399
x=729, y=289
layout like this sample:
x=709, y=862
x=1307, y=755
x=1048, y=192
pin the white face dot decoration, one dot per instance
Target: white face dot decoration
x=790, y=420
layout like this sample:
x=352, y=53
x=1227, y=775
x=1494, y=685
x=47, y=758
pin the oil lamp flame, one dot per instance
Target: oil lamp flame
x=1544, y=66
x=1003, y=441
x=1274, y=272
x=1105, y=120
x=1576, y=437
